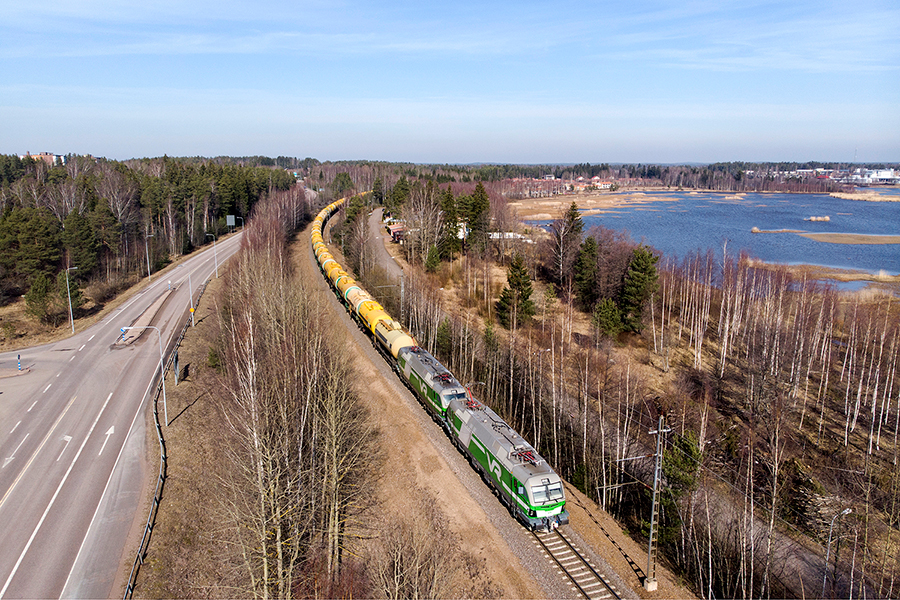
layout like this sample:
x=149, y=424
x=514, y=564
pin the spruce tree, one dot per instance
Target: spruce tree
x=433, y=260
x=640, y=283
x=39, y=299
x=399, y=194
x=515, y=305
x=450, y=242
x=378, y=192
x=477, y=212
x=606, y=317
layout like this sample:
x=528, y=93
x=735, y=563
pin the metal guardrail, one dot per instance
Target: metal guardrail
x=163, y=463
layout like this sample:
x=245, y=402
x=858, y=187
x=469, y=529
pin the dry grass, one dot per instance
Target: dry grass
x=19, y=330
x=190, y=556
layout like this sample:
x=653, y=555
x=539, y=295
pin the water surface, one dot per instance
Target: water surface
x=678, y=223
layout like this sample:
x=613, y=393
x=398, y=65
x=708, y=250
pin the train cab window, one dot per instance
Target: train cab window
x=545, y=494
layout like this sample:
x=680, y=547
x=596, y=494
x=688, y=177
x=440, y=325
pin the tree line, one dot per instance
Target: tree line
x=104, y=222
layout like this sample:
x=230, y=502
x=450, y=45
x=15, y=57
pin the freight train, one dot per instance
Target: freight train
x=523, y=481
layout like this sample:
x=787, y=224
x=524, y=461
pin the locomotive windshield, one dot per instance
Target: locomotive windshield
x=545, y=494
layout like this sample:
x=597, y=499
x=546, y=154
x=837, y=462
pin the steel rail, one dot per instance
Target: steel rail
x=579, y=569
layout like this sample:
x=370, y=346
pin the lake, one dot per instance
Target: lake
x=678, y=223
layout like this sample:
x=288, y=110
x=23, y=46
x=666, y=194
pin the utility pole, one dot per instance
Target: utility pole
x=650, y=582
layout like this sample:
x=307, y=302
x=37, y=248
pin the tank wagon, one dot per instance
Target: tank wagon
x=523, y=481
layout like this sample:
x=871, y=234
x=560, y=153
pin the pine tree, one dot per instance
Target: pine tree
x=81, y=244
x=640, y=283
x=515, y=305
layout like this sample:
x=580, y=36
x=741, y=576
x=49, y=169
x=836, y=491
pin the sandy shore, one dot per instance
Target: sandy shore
x=545, y=209
x=878, y=280
x=865, y=196
x=852, y=238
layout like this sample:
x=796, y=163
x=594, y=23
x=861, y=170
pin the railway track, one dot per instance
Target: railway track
x=579, y=569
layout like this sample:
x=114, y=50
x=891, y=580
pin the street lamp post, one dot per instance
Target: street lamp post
x=190, y=291
x=147, y=251
x=162, y=375
x=242, y=221
x=215, y=253
x=846, y=511
x=69, y=294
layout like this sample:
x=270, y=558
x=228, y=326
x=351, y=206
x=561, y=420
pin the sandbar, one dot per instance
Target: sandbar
x=865, y=196
x=852, y=238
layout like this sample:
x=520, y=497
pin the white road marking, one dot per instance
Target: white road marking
x=32, y=406
x=46, y=388
x=16, y=426
x=67, y=438
x=9, y=460
x=52, y=500
x=82, y=347
x=108, y=433
x=73, y=358
x=30, y=460
x=105, y=489
x=92, y=337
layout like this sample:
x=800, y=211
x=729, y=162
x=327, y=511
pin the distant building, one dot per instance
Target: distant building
x=47, y=157
x=600, y=184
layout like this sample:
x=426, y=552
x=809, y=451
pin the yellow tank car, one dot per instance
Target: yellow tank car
x=371, y=314
x=350, y=290
x=335, y=274
x=328, y=265
x=355, y=296
x=392, y=336
x=344, y=283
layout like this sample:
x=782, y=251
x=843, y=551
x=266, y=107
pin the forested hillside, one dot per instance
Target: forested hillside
x=108, y=222
x=781, y=393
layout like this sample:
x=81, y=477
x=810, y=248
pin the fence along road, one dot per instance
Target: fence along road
x=72, y=445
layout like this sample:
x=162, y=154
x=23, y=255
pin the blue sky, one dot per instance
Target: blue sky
x=523, y=82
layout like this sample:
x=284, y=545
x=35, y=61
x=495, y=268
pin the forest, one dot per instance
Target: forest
x=781, y=394
x=272, y=476
x=104, y=224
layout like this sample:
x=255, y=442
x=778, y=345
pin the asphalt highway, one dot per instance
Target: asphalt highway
x=72, y=441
